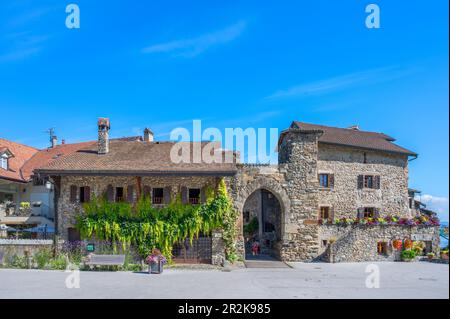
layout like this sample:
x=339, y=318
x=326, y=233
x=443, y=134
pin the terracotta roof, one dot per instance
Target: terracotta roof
x=46, y=156
x=21, y=153
x=354, y=138
x=127, y=157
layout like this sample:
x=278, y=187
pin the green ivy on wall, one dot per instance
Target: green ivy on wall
x=148, y=227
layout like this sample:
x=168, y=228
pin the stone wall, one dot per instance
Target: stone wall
x=98, y=185
x=11, y=247
x=356, y=243
x=298, y=158
x=346, y=164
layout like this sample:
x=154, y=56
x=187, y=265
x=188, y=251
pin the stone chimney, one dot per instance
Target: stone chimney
x=103, y=135
x=54, y=140
x=148, y=135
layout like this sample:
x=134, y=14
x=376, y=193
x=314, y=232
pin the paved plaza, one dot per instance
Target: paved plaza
x=304, y=280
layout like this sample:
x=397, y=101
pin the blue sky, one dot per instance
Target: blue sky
x=231, y=64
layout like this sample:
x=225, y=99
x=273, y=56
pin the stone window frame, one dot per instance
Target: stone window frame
x=362, y=208
x=194, y=200
x=330, y=180
x=376, y=181
x=330, y=212
x=160, y=200
x=383, y=247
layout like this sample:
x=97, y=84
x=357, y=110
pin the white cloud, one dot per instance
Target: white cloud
x=438, y=204
x=341, y=82
x=195, y=46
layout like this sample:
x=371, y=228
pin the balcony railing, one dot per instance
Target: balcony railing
x=194, y=200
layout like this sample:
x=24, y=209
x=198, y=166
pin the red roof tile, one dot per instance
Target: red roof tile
x=21, y=153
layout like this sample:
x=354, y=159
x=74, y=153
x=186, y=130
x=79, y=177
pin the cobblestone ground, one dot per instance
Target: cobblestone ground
x=303, y=280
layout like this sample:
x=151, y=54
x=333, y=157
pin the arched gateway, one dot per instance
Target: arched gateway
x=264, y=207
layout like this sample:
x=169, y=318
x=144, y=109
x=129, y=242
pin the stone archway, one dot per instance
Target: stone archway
x=268, y=188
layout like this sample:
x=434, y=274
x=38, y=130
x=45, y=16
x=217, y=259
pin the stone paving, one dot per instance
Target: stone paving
x=419, y=280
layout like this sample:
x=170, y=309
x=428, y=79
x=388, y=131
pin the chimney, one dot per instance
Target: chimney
x=148, y=135
x=54, y=140
x=63, y=141
x=354, y=128
x=103, y=135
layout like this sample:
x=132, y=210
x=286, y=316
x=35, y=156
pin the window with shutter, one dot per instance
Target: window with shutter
x=167, y=195
x=360, y=181
x=203, y=195
x=158, y=196
x=377, y=182
x=73, y=193
x=324, y=180
x=324, y=212
x=331, y=178
x=184, y=195
x=147, y=191
x=194, y=196
x=119, y=194
x=87, y=193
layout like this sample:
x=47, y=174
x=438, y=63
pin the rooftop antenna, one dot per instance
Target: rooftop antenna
x=51, y=132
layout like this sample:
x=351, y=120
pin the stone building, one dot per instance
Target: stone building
x=323, y=173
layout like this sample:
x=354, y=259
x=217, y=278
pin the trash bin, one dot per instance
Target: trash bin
x=155, y=267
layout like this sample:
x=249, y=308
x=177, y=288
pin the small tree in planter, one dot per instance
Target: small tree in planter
x=430, y=256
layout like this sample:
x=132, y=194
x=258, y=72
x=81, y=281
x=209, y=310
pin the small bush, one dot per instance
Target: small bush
x=42, y=257
x=409, y=254
x=58, y=263
x=17, y=262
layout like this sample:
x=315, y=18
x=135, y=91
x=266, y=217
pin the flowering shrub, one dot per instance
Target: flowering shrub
x=388, y=220
x=156, y=257
x=397, y=244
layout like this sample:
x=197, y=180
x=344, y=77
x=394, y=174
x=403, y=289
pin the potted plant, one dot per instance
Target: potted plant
x=408, y=244
x=408, y=255
x=430, y=256
x=444, y=254
x=155, y=262
x=397, y=244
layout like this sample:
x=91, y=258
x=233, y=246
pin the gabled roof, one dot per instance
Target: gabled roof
x=354, y=138
x=46, y=156
x=134, y=157
x=21, y=153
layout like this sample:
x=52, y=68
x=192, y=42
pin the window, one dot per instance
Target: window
x=326, y=180
x=365, y=158
x=158, y=196
x=194, y=196
x=369, y=181
x=4, y=162
x=324, y=243
x=324, y=212
x=369, y=212
x=119, y=194
x=37, y=181
x=382, y=248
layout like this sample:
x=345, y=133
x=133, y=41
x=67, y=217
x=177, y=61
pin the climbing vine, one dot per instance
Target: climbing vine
x=148, y=227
